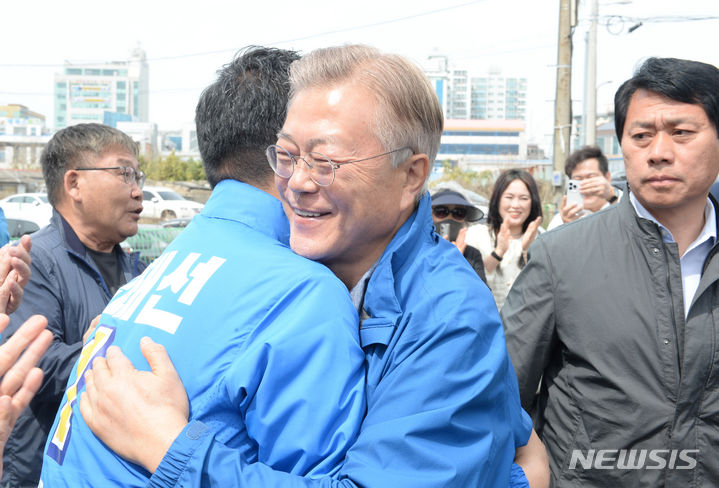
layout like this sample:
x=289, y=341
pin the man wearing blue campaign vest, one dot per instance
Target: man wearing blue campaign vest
x=251, y=326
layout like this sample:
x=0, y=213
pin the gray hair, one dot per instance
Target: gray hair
x=73, y=146
x=408, y=111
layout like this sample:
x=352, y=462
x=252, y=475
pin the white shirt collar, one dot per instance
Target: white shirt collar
x=709, y=231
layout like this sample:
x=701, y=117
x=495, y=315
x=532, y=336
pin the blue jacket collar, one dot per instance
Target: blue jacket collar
x=234, y=200
x=71, y=242
x=70, y=238
x=382, y=310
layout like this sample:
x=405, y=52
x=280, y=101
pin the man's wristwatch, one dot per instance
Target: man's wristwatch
x=613, y=199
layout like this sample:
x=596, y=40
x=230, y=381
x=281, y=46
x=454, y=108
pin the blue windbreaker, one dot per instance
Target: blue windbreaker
x=443, y=405
x=68, y=289
x=264, y=341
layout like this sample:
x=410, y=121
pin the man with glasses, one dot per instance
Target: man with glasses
x=351, y=165
x=94, y=184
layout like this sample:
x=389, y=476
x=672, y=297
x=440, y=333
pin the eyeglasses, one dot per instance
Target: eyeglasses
x=321, y=168
x=459, y=213
x=128, y=172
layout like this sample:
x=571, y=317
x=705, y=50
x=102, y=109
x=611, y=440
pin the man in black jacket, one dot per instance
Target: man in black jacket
x=616, y=313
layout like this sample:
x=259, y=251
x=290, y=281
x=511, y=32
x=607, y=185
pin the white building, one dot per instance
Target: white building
x=144, y=134
x=22, y=136
x=471, y=95
x=85, y=91
x=483, y=144
x=182, y=141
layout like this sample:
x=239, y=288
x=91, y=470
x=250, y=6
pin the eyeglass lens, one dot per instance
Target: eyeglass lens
x=319, y=166
x=136, y=176
x=458, y=213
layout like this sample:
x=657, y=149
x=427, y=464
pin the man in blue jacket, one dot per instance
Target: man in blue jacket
x=351, y=164
x=94, y=184
x=250, y=325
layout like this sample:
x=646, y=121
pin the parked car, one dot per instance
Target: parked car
x=177, y=222
x=19, y=227
x=166, y=204
x=34, y=207
x=150, y=241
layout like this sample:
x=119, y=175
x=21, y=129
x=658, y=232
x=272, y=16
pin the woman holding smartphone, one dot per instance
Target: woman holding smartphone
x=515, y=213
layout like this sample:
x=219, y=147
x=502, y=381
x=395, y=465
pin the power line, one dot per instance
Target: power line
x=286, y=41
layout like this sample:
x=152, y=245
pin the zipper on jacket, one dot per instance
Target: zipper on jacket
x=672, y=310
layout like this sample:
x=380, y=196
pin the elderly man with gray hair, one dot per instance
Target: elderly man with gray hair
x=351, y=164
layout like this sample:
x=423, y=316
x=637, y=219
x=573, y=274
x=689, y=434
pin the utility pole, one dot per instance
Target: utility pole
x=590, y=82
x=563, y=96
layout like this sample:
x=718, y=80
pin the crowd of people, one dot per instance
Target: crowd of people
x=326, y=322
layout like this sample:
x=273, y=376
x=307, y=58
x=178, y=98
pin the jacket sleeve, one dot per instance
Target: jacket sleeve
x=299, y=385
x=446, y=413
x=42, y=296
x=528, y=316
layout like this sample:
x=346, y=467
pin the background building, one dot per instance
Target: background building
x=470, y=95
x=22, y=136
x=485, y=116
x=182, y=142
x=85, y=91
x=474, y=144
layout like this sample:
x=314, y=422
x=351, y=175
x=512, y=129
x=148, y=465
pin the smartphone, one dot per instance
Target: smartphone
x=449, y=228
x=573, y=194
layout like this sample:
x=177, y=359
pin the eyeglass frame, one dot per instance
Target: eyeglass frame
x=335, y=166
x=139, y=178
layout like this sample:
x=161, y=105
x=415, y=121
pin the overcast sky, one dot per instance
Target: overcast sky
x=187, y=41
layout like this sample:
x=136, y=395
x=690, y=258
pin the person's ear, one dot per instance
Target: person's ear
x=72, y=183
x=416, y=170
x=608, y=176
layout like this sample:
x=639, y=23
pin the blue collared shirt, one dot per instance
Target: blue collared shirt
x=692, y=260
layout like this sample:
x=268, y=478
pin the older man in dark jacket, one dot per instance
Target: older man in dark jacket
x=617, y=313
x=94, y=184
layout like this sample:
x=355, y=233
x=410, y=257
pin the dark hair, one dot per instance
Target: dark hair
x=240, y=114
x=584, y=153
x=74, y=146
x=677, y=79
x=494, y=220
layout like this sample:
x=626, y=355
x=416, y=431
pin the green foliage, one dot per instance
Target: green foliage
x=172, y=168
x=479, y=182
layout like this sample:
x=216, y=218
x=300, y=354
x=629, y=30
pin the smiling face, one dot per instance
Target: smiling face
x=348, y=224
x=671, y=153
x=515, y=204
